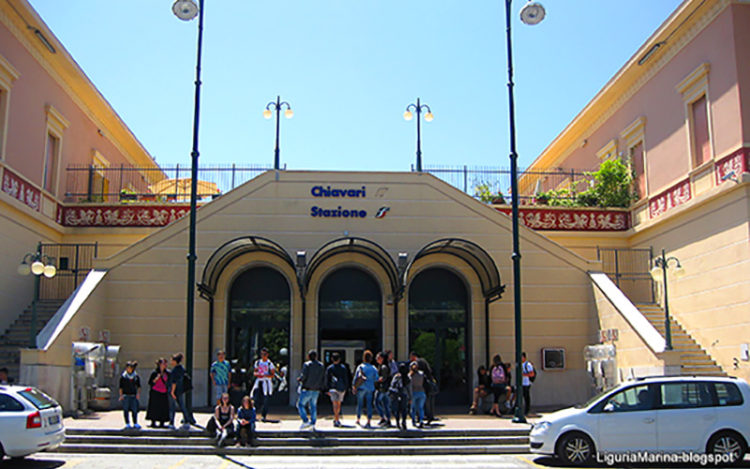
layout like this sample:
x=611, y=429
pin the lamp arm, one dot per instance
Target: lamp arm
x=411, y=106
x=424, y=106
x=271, y=104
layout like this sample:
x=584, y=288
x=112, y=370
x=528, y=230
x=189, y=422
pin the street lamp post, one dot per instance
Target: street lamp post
x=532, y=13
x=187, y=10
x=661, y=265
x=408, y=115
x=277, y=106
x=38, y=264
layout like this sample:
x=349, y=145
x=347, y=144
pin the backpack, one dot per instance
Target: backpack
x=532, y=375
x=187, y=383
x=498, y=375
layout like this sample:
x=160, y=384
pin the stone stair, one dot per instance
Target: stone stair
x=694, y=360
x=16, y=336
x=301, y=443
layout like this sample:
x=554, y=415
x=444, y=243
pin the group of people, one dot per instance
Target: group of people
x=168, y=383
x=496, y=382
x=394, y=389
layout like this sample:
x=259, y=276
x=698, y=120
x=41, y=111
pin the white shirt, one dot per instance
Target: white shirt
x=265, y=381
x=527, y=368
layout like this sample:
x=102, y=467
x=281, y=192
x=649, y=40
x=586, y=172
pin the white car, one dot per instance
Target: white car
x=30, y=421
x=675, y=416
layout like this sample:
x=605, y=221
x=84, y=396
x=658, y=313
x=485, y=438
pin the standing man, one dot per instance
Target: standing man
x=263, y=386
x=529, y=373
x=221, y=375
x=430, y=385
x=176, y=386
x=312, y=381
x=382, y=400
x=337, y=379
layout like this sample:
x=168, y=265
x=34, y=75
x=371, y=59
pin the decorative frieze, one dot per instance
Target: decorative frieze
x=571, y=219
x=122, y=216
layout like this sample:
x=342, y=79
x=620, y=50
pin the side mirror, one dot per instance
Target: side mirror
x=610, y=407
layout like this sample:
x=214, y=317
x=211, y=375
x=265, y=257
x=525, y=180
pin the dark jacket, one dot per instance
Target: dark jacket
x=313, y=376
x=384, y=372
x=424, y=367
x=337, y=377
x=176, y=376
x=400, y=388
x=130, y=386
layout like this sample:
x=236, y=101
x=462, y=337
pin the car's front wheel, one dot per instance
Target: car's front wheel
x=575, y=449
x=729, y=444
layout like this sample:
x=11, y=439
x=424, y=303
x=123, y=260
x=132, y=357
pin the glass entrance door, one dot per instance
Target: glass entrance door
x=438, y=306
x=349, y=310
x=259, y=316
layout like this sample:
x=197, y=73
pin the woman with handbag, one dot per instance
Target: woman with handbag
x=158, y=400
x=365, y=378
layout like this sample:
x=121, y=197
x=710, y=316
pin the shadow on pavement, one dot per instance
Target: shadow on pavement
x=236, y=463
x=547, y=461
x=30, y=463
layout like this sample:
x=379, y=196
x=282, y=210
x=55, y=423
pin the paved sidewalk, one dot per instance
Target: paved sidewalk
x=285, y=419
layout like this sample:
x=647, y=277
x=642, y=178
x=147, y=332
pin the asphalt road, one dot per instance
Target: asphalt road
x=124, y=461
x=119, y=461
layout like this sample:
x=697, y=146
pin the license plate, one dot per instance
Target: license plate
x=54, y=420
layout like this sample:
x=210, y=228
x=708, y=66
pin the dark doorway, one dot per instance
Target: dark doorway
x=349, y=311
x=259, y=316
x=438, y=332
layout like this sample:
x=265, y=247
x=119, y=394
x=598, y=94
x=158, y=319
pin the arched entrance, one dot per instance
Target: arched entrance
x=349, y=314
x=438, y=330
x=259, y=316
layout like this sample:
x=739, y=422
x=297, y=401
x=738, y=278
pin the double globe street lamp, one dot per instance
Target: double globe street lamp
x=38, y=264
x=659, y=271
x=428, y=117
x=277, y=106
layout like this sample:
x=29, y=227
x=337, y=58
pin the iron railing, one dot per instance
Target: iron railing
x=89, y=183
x=468, y=178
x=73, y=263
x=629, y=270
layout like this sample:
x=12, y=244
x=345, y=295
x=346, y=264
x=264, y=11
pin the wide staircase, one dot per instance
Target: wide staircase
x=302, y=443
x=694, y=360
x=16, y=336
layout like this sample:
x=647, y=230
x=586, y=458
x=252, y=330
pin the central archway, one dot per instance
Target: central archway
x=349, y=314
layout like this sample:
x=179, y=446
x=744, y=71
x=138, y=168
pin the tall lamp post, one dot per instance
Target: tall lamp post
x=277, y=106
x=187, y=10
x=38, y=264
x=661, y=265
x=532, y=13
x=428, y=117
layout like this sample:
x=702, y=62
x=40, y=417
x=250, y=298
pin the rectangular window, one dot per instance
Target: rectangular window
x=3, y=120
x=639, y=169
x=728, y=394
x=51, y=157
x=701, y=141
x=685, y=395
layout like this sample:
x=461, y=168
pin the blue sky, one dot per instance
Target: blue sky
x=349, y=68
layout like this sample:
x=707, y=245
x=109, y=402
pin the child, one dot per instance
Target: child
x=246, y=422
x=130, y=393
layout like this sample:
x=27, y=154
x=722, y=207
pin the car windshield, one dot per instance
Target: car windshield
x=38, y=398
x=594, y=399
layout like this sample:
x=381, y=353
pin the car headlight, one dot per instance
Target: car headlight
x=540, y=427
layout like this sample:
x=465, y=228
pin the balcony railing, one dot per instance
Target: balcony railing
x=88, y=183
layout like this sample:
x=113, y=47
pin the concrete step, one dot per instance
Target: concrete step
x=353, y=433
x=302, y=440
x=425, y=449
